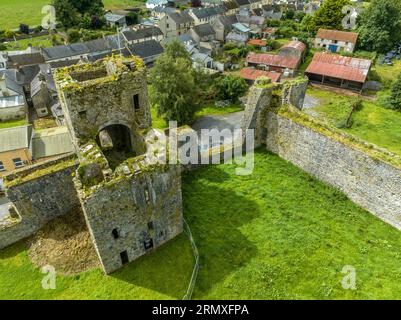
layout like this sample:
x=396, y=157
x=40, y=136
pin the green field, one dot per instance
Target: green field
x=14, y=12
x=373, y=123
x=275, y=234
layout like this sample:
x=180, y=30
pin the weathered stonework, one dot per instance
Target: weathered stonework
x=39, y=198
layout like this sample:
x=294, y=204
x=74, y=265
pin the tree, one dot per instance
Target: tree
x=196, y=3
x=329, y=15
x=73, y=35
x=24, y=28
x=174, y=91
x=395, y=98
x=71, y=12
x=9, y=34
x=231, y=88
x=380, y=26
x=132, y=18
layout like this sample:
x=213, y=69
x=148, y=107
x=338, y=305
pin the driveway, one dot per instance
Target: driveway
x=226, y=121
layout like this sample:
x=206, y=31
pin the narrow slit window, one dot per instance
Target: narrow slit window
x=124, y=257
x=136, y=102
x=115, y=233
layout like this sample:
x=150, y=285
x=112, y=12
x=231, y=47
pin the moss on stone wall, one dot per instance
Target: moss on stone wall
x=372, y=150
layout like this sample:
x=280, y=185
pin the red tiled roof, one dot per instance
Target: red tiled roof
x=257, y=42
x=336, y=66
x=337, y=35
x=290, y=62
x=253, y=74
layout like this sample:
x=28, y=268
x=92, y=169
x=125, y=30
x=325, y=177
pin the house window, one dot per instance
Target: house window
x=168, y=26
x=115, y=233
x=18, y=162
x=2, y=168
x=148, y=244
x=136, y=102
x=124, y=257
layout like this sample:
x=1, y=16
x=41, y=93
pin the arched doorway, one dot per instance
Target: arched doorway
x=115, y=142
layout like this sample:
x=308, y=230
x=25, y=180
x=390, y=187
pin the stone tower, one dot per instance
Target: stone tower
x=131, y=204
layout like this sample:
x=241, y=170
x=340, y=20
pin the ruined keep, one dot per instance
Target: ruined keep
x=132, y=204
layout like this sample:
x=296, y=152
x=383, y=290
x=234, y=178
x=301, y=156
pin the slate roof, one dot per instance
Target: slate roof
x=180, y=17
x=337, y=66
x=146, y=49
x=242, y=2
x=26, y=59
x=230, y=5
x=202, y=13
x=112, y=17
x=204, y=30
x=142, y=33
x=228, y=20
x=51, y=142
x=15, y=138
x=46, y=74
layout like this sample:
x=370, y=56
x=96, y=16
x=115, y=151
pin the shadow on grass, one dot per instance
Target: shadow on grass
x=13, y=250
x=166, y=270
x=215, y=216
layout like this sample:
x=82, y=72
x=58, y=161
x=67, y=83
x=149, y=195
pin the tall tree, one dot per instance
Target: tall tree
x=174, y=92
x=380, y=25
x=71, y=12
x=329, y=15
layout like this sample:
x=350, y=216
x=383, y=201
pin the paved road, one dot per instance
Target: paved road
x=227, y=121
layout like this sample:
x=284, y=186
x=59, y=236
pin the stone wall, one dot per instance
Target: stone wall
x=39, y=193
x=358, y=169
x=134, y=212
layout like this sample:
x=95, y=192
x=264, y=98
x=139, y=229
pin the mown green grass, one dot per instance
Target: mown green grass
x=12, y=123
x=14, y=12
x=373, y=123
x=39, y=42
x=164, y=274
x=275, y=234
x=279, y=234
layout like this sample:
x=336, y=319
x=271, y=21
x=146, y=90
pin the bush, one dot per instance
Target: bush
x=73, y=35
x=395, y=98
x=24, y=28
x=231, y=88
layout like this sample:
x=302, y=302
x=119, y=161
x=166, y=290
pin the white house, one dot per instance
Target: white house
x=336, y=41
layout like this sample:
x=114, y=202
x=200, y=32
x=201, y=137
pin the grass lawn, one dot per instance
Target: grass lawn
x=279, y=233
x=14, y=12
x=373, y=123
x=275, y=234
x=12, y=123
x=387, y=74
x=164, y=274
x=211, y=109
x=40, y=42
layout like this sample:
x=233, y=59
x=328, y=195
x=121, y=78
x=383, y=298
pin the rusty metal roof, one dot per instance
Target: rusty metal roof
x=253, y=74
x=337, y=66
x=290, y=62
x=337, y=35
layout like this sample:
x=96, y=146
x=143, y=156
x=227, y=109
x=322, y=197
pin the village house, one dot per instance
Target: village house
x=231, y=7
x=287, y=61
x=142, y=34
x=174, y=24
x=255, y=23
x=151, y=4
x=223, y=25
x=43, y=91
x=339, y=71
x=243, y=4
x=149, y=51
x=202, y=33
x=115, y=20
x=206, y=15
x=272, y=12
x=13, y=105
x=336, y=41
x=15, y=148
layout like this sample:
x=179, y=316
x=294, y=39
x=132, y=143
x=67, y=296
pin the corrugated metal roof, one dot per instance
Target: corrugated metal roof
x=290, y=62
x=51, y=142
x=337, y=66
x=337, y=35
x=15, y=138
x=253, y=74
x=240, y=27
x=295, y=45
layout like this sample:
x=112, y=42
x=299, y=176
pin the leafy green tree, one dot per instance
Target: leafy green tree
x=231, y=88
x=73, y=35
x=174, y=91
x=328, y=16
x=395, y=98
x=132, y=18
x=72, y=12
x=380, y=25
